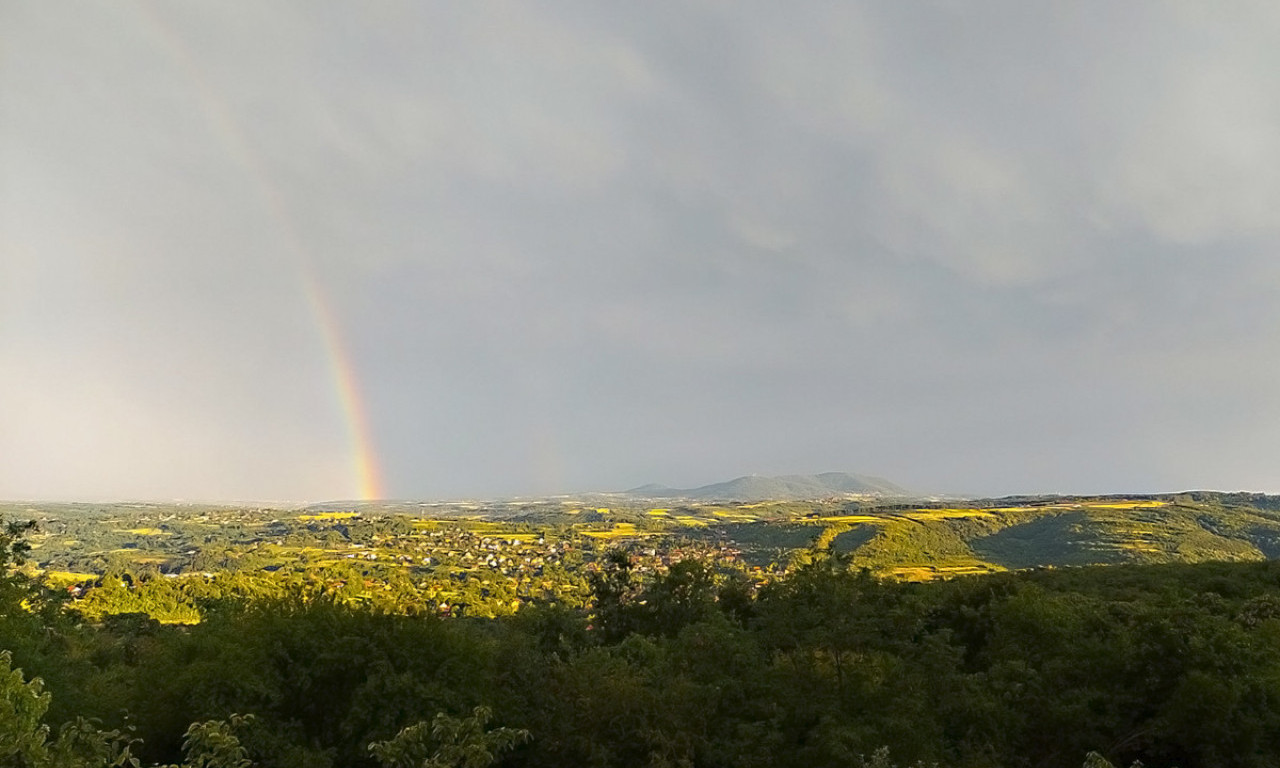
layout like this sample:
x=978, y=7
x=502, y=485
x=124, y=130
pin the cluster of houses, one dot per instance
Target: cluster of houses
x=451, y=565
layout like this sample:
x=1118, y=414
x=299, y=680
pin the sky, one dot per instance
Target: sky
x=423, y=250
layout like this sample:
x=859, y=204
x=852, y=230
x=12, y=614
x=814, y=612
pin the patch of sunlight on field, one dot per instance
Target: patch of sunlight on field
x=735, y=516
x=183, y=618
x=142, y=531
x=945, y=514
x=1133, y=530
x=1140, y=547
x=620, y=531
x=330, y=516
x=981, y=568
x=932, y=572
x=1150, y=504
x=852, y=519
x=66, y=577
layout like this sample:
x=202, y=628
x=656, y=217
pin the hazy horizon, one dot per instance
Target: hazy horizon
x=573, y=493
x=485, y=250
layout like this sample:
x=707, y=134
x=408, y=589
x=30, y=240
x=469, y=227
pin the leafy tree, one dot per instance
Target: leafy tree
x=449, y=742
x=676, y=599
x=15, y=587
x=25, y=742
x=614, y=593
x=23, y=735
x=213, y=744
x=1095, y=760
x=880, y=759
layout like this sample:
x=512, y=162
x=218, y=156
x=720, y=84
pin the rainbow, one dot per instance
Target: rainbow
x=232, y=137
x=347, y=386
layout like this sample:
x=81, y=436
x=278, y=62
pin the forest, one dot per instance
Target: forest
x=690, y=665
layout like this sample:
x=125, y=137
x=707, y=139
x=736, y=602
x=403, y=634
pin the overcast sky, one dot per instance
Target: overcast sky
x=987, y=247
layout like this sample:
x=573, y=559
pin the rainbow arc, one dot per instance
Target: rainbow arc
x=227, y=130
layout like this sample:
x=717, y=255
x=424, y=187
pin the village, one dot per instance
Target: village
x=166, y=562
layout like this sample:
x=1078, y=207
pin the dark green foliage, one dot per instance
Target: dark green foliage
x=849, y=541
x=912, y=542
x=449, y=742
x=829, y=665
x=771, y=536
x=326, y=677
x=664, y=605
x=1058, y=539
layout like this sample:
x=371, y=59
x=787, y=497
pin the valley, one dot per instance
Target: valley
x=489, y=559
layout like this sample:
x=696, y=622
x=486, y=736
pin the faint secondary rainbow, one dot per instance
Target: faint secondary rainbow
x=346, y=385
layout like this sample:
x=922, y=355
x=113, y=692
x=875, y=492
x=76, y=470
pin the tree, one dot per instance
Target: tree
x=614, y=594
x=1095, y=760
x=15, y=586
x=22, y=708
x=449, y=742
x=677, y=599
x=213, y=744
x=24, y=737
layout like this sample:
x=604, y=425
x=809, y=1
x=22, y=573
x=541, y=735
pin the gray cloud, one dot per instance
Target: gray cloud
x=987, y=248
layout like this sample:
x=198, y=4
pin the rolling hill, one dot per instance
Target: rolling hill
x=751, y=488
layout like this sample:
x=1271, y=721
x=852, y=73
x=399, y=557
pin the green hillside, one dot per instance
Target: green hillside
x=434, y=548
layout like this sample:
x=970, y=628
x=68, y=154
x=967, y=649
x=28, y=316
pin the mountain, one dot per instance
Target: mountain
x=782, y=488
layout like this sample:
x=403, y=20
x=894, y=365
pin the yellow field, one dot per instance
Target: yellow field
x=1134, y=530
x=944, y=514
x=734, y=517
x=143, y=558
x=181, y=620
x=620, y=531
x=1140, y=547
x=330, y=516
x=68, y=577
x=852, y=519
x=1129, y=505
x=146, y=532
x=288, y=550
x=931, y=572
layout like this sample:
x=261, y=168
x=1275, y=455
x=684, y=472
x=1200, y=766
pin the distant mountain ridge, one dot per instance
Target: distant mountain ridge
x=781, y=488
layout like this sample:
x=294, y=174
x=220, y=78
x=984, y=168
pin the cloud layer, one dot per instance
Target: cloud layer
x=571, y=246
